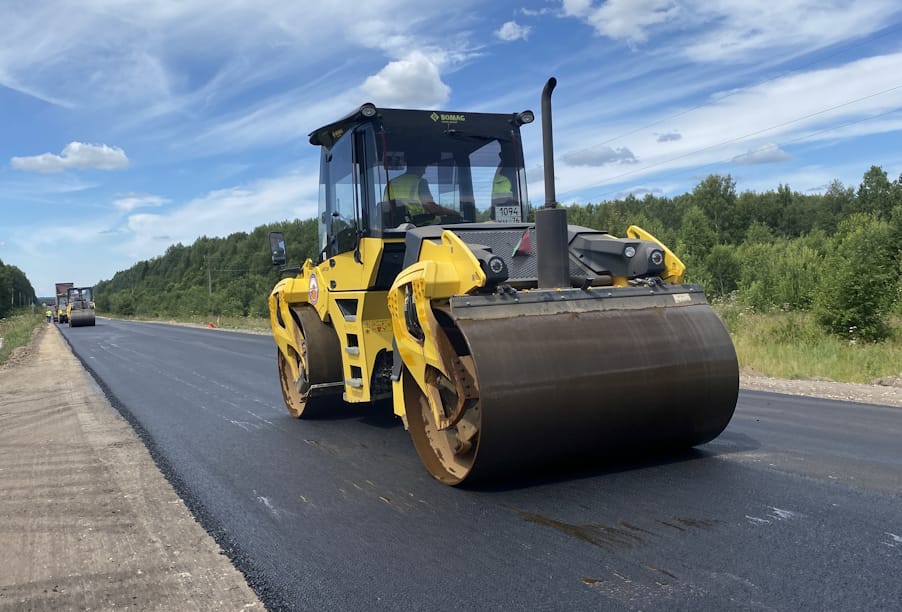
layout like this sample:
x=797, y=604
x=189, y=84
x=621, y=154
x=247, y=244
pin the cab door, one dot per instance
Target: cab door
x=340, y=196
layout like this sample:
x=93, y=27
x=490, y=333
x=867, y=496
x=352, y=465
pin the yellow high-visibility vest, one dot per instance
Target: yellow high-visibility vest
x=501, y=188
x=405, y=191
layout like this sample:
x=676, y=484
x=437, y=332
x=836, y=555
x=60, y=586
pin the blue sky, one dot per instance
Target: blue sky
x=131, y=125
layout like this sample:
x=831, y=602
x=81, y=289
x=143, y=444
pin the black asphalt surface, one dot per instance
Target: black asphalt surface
x=796, y=506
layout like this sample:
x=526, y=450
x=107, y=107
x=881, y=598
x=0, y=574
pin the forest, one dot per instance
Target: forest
x=836, y=255
x=15, y=289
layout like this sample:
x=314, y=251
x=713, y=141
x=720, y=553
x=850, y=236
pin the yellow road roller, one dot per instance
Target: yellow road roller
x=62, y=310
x=507, y=346
x=80, y=308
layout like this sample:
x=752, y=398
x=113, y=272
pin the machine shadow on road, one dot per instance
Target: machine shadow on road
x=376, y=414
x=380, y=415
x=584, y=469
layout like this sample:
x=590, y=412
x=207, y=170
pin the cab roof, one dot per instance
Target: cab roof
x=486, y=126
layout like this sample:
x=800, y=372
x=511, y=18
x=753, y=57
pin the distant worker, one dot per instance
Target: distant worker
x=411, y=191
x=49, y=315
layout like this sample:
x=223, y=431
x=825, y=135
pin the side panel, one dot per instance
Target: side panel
x=338, y=289
x=363, y=325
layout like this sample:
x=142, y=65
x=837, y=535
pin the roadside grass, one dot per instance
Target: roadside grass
x=791, y=345
x=17, y=330
x=251, y=324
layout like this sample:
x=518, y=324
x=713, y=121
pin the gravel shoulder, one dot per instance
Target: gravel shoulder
x=87, y=520
x=889, y=394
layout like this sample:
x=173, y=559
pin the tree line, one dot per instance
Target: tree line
x=214, y=276
x=15, y=289
x=836, y=254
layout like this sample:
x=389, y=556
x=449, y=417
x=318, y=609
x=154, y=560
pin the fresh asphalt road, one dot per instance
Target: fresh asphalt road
x=797, y=505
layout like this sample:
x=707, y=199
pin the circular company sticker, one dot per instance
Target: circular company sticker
x=313, y=291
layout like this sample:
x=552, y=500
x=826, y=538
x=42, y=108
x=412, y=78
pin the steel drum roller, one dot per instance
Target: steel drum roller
x=598, y=378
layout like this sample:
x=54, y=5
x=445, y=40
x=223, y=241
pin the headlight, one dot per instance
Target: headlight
x=629, y=251
x=494, y=267
x=657, y=258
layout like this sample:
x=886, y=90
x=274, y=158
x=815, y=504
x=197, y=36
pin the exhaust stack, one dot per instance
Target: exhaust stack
x=551, y=220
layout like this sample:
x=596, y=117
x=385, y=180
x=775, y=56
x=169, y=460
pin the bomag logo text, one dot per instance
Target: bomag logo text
x=447, y=117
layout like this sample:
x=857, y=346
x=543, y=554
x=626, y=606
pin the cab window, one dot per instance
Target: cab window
x=339, y=197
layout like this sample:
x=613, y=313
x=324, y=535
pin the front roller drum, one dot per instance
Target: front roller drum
x=82, y=318
x=580, y=385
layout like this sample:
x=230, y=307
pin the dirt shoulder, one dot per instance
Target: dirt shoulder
x=87, y=520
x=888, y=394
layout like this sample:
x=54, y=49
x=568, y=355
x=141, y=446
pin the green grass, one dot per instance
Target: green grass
x=791, y=345
x=17, y=330
x=252, y=324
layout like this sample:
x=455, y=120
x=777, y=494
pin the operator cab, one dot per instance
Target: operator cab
x=80, y=297
x=472, y=164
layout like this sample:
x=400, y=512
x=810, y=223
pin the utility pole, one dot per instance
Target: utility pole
x=209, y=284
x=209, y=278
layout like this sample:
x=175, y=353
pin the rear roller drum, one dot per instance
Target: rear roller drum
x=295, y=398
x=318, y=366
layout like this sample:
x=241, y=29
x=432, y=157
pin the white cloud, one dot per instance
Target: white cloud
x=535, y=12
x=156, y=57
x=131, y=201
x=790, y=109
x=113, y=244
x=180, y=76
x=742, y=28
x=76, y=155
x=733, y=30
x=638, y=191
x=669, y=137
x=220, y=213
x=599, y=156
x=623, y=19
x=511, y=30
x=413, y=81
x=768, y=154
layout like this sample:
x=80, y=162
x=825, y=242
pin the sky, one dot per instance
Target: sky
x=127, y=126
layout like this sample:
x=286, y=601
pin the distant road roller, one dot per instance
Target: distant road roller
x=507, y=346
x=61, y=311
x=80, y=308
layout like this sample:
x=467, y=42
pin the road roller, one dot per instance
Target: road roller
x=507, y=346
x=61, y=311
x=80, y=308
x=61, y=314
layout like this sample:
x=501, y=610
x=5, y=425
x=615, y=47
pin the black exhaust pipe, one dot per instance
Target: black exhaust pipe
x=551, y=220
